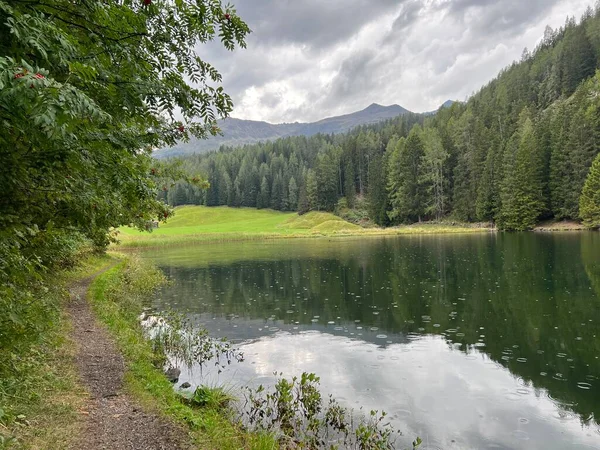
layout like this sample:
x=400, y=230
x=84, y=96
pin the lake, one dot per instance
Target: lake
x=485, y=341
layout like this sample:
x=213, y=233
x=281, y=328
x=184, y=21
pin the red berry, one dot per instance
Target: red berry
x=19, y=75
x=166, y=215
x=227, y=16
x=147, y=2
x=181, y=128
x=39, y=76
x=153, y=171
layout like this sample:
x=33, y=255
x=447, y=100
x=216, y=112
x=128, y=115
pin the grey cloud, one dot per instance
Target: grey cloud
x=355, y=75
x=491, y=16
x=314, y=23
x=417, y=53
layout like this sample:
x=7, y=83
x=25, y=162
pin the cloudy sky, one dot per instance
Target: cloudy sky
x=310, y=59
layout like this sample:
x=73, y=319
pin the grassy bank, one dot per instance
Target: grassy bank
x=116, y=298
x=215, y=224
x=40, y=396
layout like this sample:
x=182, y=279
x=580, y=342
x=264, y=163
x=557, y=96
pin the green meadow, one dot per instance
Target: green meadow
x=204, y=224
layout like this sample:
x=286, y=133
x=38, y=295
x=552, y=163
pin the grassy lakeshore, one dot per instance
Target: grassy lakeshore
x=214, y=224
x=116, y=297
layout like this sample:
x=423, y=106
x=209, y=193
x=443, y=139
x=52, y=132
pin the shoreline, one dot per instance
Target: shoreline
x=149, y=240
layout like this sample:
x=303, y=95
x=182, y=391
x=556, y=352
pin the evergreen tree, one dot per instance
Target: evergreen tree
x=405, y=179
x=277, y=193
x=521, y=190
x=311, y=190
x=589, y=202
x=327, y=176
x=433, y=180
x=264, y=198
x=377, y=195
x=349, y=184
x=488, y=195
x=292, y=195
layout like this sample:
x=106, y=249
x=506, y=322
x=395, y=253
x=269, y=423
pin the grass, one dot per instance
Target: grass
x=116, y=298
x=41, y=407
x=214, y=224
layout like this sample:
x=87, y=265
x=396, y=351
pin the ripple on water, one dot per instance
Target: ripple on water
x=522, y=360
x=413, y=336
x=523, y=391
x=523, y=420
x=374, y=328
x=402, y=414
x=559, y=377
x=520, y=435
x=273, y=329
x=331, y=322
x=381, y=336
x=430, y=446
x=565, y=416
x=584, y=386
x=513, y=397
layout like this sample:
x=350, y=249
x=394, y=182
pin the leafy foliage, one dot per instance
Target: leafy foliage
x=176, y=340
x=295, y=409
x=87, y=90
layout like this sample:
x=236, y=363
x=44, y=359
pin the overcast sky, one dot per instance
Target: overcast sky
x=310, y=59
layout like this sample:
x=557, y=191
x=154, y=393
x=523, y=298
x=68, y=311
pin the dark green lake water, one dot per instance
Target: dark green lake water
x=470, y=342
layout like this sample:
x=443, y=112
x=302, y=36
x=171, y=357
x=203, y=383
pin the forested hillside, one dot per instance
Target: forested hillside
x=517, y=152
x=237, y=132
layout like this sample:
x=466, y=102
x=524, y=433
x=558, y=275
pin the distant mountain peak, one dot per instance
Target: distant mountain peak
x=373, y=106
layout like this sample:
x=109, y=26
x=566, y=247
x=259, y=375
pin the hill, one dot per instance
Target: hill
x=237, y=132
x=233, y=223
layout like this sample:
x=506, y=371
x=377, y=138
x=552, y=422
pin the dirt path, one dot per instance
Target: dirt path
x=113, y=419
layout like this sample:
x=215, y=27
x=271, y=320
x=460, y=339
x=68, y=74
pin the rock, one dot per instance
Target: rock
x=185, y=385
x=172, y=374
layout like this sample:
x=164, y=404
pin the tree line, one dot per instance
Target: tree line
x=517, y=152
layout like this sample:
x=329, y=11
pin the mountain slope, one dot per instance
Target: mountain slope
x=237, y=132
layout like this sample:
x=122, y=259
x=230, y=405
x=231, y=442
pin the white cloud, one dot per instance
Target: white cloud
x=306, y=61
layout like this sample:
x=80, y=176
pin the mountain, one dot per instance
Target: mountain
x=237, y=132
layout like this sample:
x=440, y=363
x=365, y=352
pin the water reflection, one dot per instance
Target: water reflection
x=469, y=341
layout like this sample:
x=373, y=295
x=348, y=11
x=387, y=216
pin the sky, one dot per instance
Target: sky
x=310, y=59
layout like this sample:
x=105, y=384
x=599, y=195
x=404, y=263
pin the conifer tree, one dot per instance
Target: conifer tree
x=405, y=179
x=292, y=194
x=589, y=202
x=521, y=190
